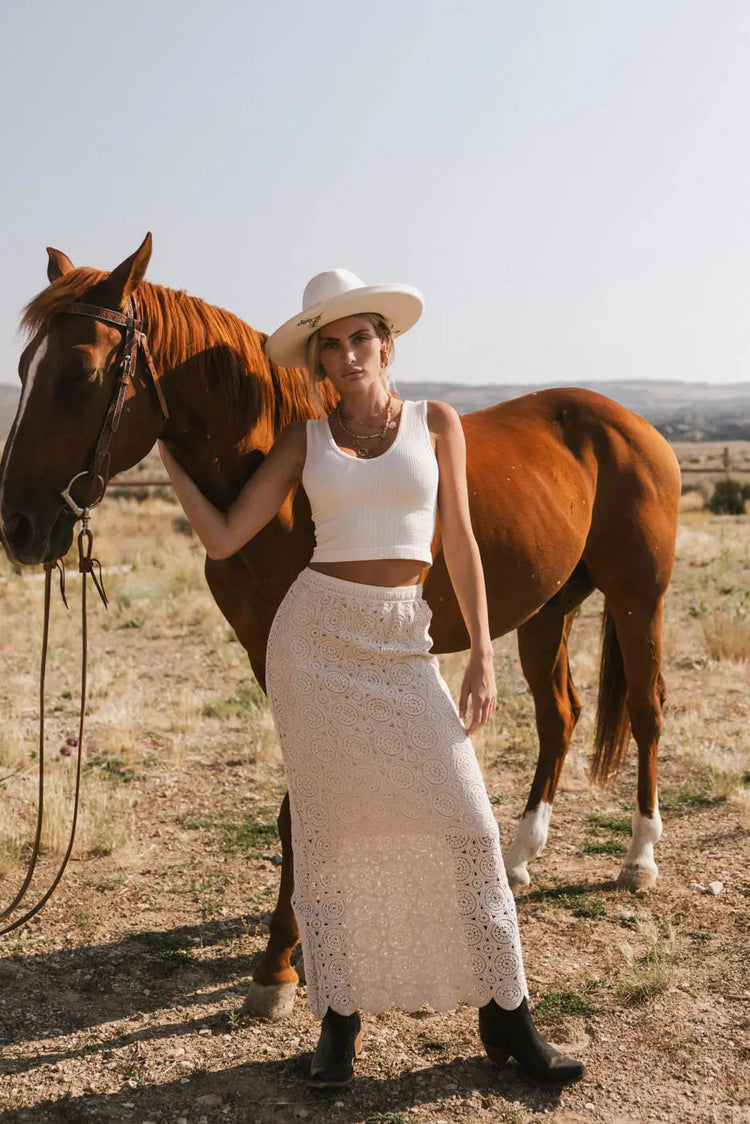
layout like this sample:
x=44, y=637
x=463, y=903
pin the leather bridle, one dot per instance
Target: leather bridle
x=134, y=339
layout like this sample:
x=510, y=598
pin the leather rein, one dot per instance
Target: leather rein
x=134, y=339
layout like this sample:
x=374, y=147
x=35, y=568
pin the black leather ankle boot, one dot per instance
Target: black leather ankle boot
x=339, y=1043
x=512, y=1034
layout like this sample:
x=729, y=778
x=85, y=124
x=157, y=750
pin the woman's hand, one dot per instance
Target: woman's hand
x=479, y=685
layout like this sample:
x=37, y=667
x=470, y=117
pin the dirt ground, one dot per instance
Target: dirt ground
x=122, y=1000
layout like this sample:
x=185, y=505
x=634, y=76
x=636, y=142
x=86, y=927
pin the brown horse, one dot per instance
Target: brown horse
x=569, y=491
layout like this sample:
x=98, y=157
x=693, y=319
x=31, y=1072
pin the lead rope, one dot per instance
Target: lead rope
x=87, y=564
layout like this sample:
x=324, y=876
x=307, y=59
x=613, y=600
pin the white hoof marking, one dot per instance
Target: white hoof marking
x=528, y=843
x=639, y=871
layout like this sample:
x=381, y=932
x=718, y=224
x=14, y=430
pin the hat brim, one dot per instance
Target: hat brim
x=399, y=305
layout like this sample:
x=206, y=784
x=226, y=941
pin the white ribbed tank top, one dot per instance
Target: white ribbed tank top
x=378, y=508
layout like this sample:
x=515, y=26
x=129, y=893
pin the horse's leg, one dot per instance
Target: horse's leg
x=274, y=983
x=639, y=632
x=543, y=648
x=271, y=993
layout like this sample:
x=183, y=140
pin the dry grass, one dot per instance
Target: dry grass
x=742, y=799
x=115, y=725
x=104, y=817
x=694, y=499
x=13, y=744
x=727, y=637
x=183, y=711
x=10, y=853
x=264, y=745
x=649, y=973
x=726, y=774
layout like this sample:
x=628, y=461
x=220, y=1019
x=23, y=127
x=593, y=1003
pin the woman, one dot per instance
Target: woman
x=400, y=889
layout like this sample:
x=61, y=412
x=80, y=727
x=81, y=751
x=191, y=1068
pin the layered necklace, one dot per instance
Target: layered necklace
x=364, y=451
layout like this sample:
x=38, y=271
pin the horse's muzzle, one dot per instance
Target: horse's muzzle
x=31, y=541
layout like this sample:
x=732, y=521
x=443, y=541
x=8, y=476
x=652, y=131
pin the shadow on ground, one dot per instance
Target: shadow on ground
x=50, y=994
x=275, y=1091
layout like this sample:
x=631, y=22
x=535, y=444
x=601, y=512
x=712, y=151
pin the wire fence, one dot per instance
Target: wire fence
x=724, y=466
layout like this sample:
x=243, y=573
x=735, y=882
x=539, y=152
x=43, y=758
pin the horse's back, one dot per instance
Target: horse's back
x=556, y=476
x=572, y=446
x=563, y=422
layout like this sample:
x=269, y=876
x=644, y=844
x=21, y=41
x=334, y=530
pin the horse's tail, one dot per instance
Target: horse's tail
x=612, y=732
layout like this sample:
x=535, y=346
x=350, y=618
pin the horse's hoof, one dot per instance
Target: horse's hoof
x=518, y=876
x=641, y=876
x=269, y=1001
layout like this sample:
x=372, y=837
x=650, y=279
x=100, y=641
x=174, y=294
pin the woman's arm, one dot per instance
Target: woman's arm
x=461, y=555
x=224, y=532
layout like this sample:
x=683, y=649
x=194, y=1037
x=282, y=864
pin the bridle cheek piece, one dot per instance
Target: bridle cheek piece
x=134, y=338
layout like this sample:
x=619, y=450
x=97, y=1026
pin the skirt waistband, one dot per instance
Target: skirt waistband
x=313, y=579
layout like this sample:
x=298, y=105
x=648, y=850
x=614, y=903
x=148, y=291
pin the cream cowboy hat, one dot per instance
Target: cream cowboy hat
x=336, y=293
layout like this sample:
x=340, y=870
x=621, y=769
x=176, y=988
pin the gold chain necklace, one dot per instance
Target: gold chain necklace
x=360, y=449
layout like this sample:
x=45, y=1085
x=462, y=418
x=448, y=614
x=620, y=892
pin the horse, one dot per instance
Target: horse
x=569, y=492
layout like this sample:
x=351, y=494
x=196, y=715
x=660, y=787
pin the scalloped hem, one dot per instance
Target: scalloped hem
x=439, y=1006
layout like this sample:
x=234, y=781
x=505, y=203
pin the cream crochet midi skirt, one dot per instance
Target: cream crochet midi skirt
x=400, y=889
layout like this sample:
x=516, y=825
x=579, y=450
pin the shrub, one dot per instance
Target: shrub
x=728, y=497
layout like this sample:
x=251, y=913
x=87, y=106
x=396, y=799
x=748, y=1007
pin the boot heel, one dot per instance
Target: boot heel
x=495, y=1054
x=512, y=1034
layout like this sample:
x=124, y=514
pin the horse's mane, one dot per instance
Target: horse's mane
x=222, y=350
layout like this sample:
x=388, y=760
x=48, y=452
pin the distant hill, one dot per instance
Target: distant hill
x=682, y=411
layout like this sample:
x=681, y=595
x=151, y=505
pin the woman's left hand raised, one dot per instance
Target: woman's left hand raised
x=479, y=686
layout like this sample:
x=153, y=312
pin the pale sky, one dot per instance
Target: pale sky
x=567, y=181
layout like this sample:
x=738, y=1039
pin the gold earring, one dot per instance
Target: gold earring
x=383, y=357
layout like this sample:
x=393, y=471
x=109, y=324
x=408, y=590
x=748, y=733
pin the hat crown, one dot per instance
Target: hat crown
x=332, y=283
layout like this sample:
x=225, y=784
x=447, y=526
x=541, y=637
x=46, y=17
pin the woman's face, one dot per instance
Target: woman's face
x=350, y=353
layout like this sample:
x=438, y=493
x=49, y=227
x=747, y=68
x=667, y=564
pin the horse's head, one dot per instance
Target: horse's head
x=70, y=372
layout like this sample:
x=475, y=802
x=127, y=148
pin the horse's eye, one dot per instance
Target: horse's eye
x=80, y=373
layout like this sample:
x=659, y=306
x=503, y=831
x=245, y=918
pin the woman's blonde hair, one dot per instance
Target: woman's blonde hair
x=315, y=371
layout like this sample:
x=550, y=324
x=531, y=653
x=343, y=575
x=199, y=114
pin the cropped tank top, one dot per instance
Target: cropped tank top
x=378, y=508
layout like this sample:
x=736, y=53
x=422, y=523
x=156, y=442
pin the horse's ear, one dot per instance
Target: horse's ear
x=58, y=264
x=126, y=278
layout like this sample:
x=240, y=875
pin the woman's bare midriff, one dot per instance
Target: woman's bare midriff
x=375, y=571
